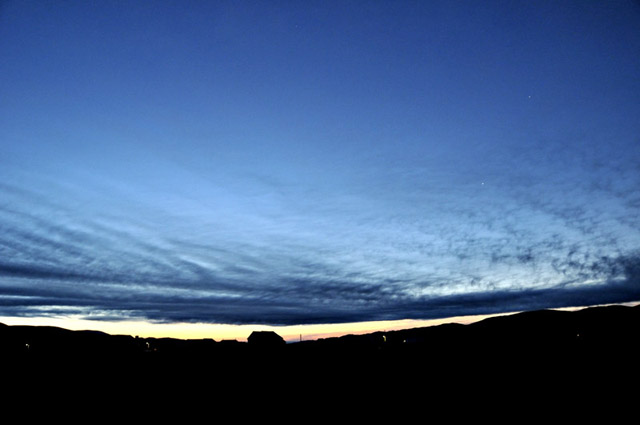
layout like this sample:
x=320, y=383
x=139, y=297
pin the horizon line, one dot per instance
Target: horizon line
x=225, y=332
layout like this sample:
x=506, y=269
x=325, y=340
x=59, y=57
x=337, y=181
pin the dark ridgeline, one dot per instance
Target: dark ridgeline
x=547, y=345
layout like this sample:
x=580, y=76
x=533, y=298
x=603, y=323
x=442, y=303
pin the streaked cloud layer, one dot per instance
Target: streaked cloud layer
x=317, y=163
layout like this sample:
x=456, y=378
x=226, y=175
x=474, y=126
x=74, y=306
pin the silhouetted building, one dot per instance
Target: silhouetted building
x=265, y=339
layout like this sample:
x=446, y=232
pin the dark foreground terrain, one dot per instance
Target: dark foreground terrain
x=595, y=348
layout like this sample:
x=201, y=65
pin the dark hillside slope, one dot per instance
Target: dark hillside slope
x=564, y=345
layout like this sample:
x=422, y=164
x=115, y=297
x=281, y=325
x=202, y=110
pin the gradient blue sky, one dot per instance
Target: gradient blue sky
x=284, y=163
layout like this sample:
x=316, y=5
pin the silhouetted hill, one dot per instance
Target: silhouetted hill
x=569, y=345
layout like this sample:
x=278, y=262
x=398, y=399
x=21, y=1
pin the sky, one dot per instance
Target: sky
x=287, y=163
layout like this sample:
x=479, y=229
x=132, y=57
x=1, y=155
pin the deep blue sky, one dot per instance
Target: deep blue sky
x=317, y=162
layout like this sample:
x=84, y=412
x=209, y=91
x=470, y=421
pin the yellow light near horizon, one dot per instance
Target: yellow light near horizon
x=220, y=332
x=139, y=328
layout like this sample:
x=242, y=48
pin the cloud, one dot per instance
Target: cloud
x=424, y=241
x=320, y=296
